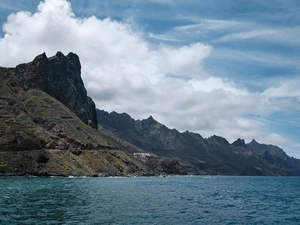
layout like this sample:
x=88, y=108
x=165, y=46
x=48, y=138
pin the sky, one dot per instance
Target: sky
x=216, y=67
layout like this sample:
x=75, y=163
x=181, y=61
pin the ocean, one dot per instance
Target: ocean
x=150, y=200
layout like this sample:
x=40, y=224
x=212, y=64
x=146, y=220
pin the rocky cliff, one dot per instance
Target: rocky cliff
x=60, y=77
x=40, y=103
x=214, y=155
x=47, y=123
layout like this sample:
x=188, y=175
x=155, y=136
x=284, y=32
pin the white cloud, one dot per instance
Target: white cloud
x=283, y=36
x=286, y=89
x=208, y=24
x=260, y=58
x=183, y=60
x=123, y=72
x=247, y=35
x=162, y=37
x=283, y=97
x=214, y=83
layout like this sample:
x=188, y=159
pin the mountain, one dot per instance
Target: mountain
x=48, y=123
x=275, y=156
x=60, y=77
x=49, y=126
x=198, y=155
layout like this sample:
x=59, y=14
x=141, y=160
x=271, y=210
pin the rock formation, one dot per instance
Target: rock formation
x=60, y=77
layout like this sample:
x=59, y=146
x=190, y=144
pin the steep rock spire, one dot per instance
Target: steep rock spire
x=60, y=77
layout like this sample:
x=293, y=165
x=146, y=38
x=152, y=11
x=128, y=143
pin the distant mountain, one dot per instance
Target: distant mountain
x=47, y=123
x=276, y=157
x=198, y=155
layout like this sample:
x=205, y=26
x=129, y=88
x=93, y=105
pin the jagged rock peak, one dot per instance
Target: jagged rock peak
x=59, y=55
x=219, y=139
x=60, y=77
x=253, y=142
x=239, y=143
x=122, y=115
x=151, y=118
x=189, y=133
x=150, y=121
x=42, y=56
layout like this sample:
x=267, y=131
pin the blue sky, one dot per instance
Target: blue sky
x=229, y=68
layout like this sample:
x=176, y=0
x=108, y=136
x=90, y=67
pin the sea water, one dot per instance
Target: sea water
x=150, y=200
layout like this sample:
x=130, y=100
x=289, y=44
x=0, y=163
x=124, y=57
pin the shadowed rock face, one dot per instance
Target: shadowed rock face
x=60, y=77
x=43, y=105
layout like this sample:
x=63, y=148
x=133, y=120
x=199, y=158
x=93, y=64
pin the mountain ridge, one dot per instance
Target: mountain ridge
x=48, y=126
x=213, y=155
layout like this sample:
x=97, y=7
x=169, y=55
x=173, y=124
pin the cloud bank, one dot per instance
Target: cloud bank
x=123, y=72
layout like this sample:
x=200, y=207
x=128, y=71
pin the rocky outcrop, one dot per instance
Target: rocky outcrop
x=44, y=105
x=239, y=143
x=60, y=77
x=165, y=166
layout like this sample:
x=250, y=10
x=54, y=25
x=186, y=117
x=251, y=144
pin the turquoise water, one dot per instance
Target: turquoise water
x=150, y=200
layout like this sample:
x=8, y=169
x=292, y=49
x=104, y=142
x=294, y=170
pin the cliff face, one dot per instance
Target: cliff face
x=41, y=104
x=60, y=77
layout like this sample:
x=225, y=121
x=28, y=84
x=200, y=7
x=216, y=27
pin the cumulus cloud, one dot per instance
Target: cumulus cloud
x=123, y=72
x=215, y=83
x=183, y=60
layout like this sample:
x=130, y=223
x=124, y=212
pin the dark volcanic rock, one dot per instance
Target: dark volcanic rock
x=38, y=102
x=60, y=77
x=239, y=143
x=32, y=119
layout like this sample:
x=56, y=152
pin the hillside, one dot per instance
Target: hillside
x=47, y=123
x=214, y=155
